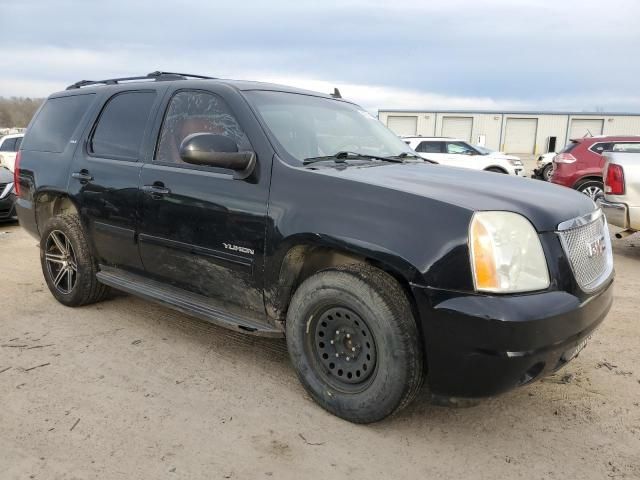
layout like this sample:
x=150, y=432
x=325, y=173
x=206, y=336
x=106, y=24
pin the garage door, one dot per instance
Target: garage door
x=403, y=125
x=582, y=126
x=520, y=136
x=457, y=127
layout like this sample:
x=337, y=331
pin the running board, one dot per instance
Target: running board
x=183, y=301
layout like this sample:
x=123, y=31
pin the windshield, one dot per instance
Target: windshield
x=310, y=127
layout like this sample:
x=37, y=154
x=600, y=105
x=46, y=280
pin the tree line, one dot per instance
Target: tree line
x=16, y=112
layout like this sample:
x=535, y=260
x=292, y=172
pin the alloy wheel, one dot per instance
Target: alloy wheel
x=592, y=191
x=61, y=262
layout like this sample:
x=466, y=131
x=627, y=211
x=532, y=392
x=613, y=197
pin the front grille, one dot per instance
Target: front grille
x=587, y=244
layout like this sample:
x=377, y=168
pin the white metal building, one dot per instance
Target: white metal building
x=511, y=132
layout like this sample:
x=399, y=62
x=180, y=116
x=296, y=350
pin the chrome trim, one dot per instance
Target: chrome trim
x=608, y=251
x=580, y=221
x=7, y=190
x=615, y=213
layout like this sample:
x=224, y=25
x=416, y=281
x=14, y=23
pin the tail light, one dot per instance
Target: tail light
x=564, y=158
x=614, y=180
x=16, y=174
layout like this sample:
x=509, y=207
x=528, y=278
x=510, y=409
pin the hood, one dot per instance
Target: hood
x=543, y=203
x=5, y=175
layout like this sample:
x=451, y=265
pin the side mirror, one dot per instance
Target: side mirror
x=217, y=151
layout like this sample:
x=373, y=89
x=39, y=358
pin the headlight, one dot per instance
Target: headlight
x=506, y=254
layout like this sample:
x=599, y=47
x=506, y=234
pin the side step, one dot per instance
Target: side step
x=184, y=301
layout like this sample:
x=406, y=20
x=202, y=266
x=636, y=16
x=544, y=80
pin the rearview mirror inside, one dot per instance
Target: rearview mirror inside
x=217, y=151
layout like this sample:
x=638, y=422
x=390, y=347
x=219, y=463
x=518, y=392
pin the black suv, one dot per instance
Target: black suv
x=283, y=212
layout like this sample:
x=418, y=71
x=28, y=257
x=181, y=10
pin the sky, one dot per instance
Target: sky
x=456, y=54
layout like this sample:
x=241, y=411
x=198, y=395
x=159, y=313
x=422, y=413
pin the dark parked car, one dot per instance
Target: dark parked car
x=282, y=212
x=7, y=197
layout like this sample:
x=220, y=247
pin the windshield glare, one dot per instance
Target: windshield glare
x=309, y=127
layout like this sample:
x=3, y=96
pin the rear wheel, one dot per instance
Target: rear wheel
x=591, y=188
x=354, y=343
x=67, y=264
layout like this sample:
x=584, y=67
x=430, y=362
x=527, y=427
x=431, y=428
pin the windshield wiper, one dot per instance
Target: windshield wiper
x=342, y=157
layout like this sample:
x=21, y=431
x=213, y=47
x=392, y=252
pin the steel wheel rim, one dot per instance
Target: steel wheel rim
x=343, y=349
x=547, y=174
x=592, y=192
x=62, y=265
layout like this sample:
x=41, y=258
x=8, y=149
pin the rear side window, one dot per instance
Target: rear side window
x=56, y=122
x=430, y=147
x=121, y=125
x=18, y=143
x=9, y=145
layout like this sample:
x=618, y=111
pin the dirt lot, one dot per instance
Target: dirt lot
x=126, y=389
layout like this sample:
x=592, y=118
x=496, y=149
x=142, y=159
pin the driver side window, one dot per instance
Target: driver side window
x=196, y=112
x=459, y=148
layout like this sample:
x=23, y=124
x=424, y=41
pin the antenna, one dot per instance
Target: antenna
x=336, y=93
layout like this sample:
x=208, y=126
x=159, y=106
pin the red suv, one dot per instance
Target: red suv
x=579, y=165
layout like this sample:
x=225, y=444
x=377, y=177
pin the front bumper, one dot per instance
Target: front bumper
x=617, y=213
x=483, y=345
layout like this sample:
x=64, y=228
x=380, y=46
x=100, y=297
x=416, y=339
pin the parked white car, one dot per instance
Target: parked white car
x=544, y=166
x=9, y=146
x=458, y=153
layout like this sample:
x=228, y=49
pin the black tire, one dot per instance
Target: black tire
x=591, y=188
x=83, y=287
x=392, y=347
x=495, y=170
x=546, y=172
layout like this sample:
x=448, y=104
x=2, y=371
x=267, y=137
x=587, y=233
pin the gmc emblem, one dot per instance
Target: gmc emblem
x=596, y=247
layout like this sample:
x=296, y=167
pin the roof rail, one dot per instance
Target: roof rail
x=155, y=76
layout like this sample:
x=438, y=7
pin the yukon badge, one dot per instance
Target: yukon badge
x=236, y=248
x=596, y=247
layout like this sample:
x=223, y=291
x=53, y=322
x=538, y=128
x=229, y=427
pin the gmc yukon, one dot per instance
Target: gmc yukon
x=288, y=213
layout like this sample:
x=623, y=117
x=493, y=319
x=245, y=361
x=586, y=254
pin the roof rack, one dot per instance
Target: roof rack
x=155, y=76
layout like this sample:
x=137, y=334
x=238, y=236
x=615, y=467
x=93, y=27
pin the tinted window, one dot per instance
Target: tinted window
x=196, y=112
x=430, y=147
x=599, y=148
x=9, y=145
x=18, y=143
x=56, y=122
x=121, y=125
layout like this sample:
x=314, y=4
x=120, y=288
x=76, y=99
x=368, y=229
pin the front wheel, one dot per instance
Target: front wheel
x=546, y=172
x=354, y=342
x=495, y=170
x=591, y=188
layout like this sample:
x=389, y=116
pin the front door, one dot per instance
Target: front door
x=201, y=229
x=105, y=174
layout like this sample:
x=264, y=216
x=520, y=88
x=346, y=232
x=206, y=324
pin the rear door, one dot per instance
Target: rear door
x=202, y=230
x=105, y=174
x=432, y=150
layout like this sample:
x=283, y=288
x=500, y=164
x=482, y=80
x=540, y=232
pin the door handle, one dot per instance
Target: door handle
x=82, y=175
x=156, y=190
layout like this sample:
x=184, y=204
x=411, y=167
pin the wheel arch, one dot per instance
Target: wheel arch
x=50, y=203
x=303, y=258
x=490, y=168
x=587, y=178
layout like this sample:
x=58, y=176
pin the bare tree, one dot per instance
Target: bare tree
x=16, y=112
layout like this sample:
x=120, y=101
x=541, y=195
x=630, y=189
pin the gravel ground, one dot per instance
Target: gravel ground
x=126, y=389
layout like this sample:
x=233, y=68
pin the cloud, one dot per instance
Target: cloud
x=497, y=52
